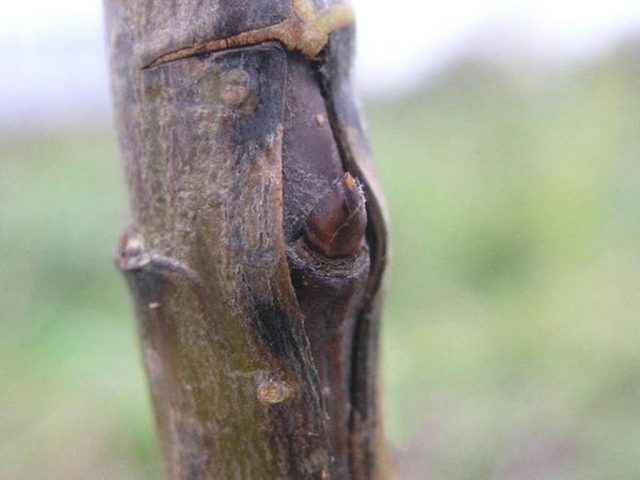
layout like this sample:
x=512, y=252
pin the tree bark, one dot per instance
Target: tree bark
x=257, y=245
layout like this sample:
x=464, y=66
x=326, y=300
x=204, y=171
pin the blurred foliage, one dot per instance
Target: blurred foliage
x=509, y=337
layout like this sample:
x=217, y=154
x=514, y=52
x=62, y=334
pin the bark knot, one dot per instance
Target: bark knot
x=272, y=392
x=132, y=254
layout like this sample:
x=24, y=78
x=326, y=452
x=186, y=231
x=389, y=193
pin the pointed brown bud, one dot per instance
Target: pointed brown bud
x=336, y=225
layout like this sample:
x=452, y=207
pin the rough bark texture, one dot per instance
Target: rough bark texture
x=257, y=244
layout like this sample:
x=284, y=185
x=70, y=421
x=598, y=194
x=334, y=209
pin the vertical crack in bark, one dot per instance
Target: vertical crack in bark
x=367, y=454
x=337, y=295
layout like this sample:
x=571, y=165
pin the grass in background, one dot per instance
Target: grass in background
x=510, y=343
x=510, y=338
x=72, y=401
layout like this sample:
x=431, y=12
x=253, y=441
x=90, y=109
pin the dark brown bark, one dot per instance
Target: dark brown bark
x=257, y=244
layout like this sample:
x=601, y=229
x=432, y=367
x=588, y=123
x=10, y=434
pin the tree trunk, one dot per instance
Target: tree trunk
x=257, y=244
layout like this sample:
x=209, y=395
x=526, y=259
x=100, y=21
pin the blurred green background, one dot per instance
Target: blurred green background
x=511, y=331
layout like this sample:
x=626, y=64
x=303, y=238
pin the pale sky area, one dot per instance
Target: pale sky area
x=55, y=68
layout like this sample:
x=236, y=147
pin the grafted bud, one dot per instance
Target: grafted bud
x=336, y=225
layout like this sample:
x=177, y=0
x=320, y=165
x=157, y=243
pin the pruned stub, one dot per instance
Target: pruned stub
x=258, y=223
